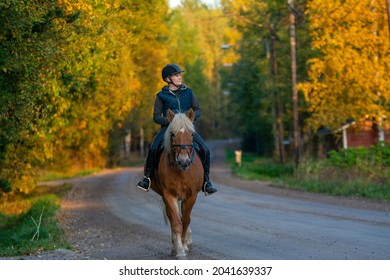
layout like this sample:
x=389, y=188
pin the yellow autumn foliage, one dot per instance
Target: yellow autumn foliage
x=349, y=77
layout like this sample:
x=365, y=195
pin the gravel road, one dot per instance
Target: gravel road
x=106, y=217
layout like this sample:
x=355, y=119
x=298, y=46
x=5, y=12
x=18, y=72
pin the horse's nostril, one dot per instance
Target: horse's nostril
x=183, y=162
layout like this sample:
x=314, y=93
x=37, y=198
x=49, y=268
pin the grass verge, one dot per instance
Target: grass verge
x=45, y=176
x=259, y=168
x=362, y=180
x=28, y=223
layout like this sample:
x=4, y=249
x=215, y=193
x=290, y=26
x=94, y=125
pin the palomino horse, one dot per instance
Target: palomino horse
x=179, y=178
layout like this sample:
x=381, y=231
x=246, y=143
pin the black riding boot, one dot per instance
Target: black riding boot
x=145, y=182
x=208, y=187
x=151, y=159
x=204, y=154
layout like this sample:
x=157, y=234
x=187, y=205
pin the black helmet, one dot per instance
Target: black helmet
x=169, y=70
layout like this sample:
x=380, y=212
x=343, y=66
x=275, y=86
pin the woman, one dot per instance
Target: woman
x=179, y=98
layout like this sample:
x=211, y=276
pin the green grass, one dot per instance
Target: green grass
x=345, y=188
x=28, y=223
x=366, y=181
x=45, y=176
x=363, y=180
x=258, y=168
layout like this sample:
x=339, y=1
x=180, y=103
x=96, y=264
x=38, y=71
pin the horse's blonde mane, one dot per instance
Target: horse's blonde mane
x=179, y=122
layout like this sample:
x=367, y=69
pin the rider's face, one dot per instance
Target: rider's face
x=177, y=79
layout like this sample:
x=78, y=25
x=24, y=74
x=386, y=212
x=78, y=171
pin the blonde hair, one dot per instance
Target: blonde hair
x=179, y=122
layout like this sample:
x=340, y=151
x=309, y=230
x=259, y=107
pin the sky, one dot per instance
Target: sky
x=174, y=3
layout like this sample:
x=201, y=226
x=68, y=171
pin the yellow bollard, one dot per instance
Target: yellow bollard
x=238, y=157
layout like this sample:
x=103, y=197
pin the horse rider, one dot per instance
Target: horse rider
x=179, y=98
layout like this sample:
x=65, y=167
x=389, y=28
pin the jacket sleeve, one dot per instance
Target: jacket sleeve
x=196, y=106
x=158, y=117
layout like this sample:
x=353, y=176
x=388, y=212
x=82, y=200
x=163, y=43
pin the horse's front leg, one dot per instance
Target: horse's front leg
x=187, y=240
x=173, y=214
x=186, y=220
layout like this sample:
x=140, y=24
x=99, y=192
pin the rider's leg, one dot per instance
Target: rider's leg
x=208, y=187
x=144, y=183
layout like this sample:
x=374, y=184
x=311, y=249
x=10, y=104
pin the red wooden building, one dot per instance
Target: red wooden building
x=364, y=134
x=351, y=135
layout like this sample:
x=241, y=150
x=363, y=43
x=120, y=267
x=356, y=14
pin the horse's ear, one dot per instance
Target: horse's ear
x=191, y=114
x=170, y=115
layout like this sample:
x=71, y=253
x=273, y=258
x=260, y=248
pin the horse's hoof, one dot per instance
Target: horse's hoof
x=181, y=256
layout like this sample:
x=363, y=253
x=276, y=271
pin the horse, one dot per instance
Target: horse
x=179, y=178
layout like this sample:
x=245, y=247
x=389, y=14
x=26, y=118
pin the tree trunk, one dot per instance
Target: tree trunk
x=278, y=106
x=294, y=82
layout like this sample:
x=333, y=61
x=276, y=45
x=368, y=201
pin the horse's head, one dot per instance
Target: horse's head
x=178, y=139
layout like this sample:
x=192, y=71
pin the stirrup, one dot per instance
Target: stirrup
x=149, y=184
x=204, y=189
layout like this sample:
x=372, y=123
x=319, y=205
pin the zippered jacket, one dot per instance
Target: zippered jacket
x=179, y=101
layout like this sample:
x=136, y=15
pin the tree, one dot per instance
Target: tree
x=110, y=70
x=195, y=35
x=349, y=77
x=71, y=71
x=294, y=82
x=264, y=32
x=29, y=43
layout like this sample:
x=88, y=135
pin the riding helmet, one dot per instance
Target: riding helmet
x=169, y=70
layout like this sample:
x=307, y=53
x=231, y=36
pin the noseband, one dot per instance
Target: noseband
x=189, y=148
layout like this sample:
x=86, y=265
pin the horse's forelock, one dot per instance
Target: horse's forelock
x=179, y=122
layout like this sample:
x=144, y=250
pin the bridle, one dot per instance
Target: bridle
x=189, y=148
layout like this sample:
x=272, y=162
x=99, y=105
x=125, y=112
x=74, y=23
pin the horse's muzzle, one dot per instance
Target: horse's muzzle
x=183, y=163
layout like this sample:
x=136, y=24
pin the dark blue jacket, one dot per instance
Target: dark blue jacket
x=179, y=101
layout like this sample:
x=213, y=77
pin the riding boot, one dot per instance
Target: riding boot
x=151, y=159
x=145, y=182
x=208, y=187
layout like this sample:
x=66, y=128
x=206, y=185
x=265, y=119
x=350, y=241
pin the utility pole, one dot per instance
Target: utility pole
x=294, y=81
